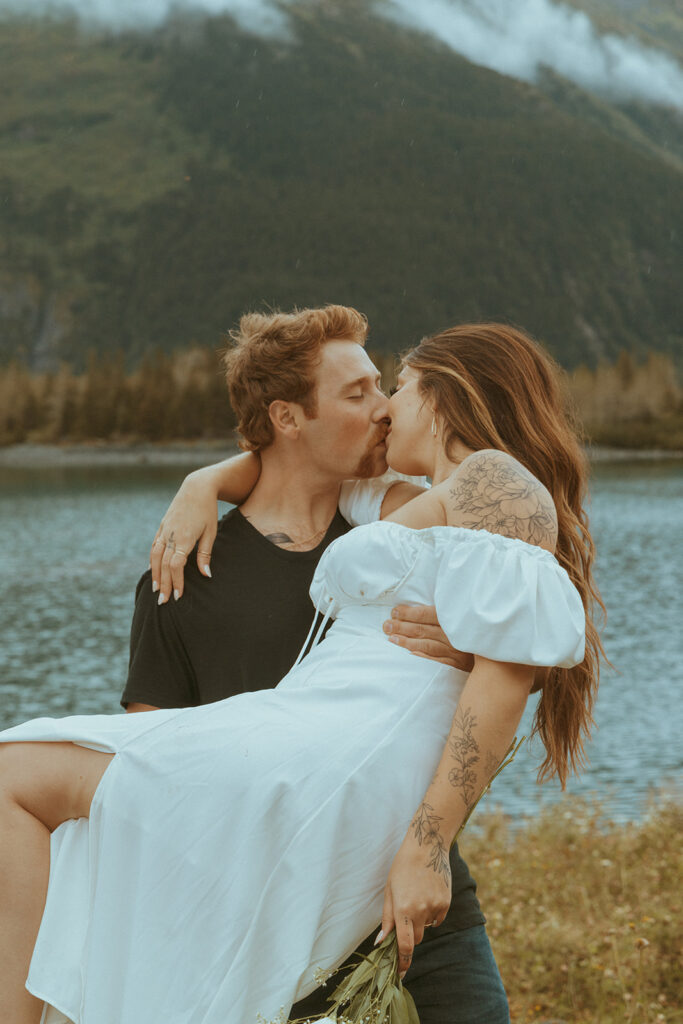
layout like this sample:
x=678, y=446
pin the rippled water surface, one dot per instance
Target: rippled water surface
x=74, y=542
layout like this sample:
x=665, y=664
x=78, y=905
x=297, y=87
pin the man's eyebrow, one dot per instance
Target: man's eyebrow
x=361, y=380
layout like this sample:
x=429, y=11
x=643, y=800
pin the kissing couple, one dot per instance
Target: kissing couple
x=203, y=862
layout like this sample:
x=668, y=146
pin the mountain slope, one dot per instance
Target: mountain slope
x=155, y=186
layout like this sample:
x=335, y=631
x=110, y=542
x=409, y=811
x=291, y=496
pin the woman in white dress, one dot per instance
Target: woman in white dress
x=206, y=862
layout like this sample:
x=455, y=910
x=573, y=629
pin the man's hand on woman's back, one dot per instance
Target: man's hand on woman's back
x=416, y=627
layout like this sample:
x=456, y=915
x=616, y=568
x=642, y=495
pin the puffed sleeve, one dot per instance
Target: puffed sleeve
x=360, y=501
x=508, y=601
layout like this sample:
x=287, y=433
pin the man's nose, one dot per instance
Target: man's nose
x=382, y=408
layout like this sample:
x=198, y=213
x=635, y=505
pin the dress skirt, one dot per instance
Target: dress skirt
x=235, y=848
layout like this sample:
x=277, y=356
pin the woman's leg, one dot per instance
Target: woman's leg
x=41, y=786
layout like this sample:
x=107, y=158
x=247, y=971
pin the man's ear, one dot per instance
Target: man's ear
x=285, y=418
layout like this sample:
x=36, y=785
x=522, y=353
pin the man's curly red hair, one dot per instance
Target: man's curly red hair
x=273, y=357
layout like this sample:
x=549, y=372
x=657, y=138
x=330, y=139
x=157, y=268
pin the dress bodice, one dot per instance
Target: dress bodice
x=495, y=596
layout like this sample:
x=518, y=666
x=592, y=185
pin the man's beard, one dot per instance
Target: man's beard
x=372, y=460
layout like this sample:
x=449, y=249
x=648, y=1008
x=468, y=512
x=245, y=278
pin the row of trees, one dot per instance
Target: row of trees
x=630, y=404
x=183, y=397
x=177, y=397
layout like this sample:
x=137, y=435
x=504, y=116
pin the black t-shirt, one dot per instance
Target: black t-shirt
x=241, y=630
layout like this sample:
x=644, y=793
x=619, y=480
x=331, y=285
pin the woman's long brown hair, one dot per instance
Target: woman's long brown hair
x=494, y=387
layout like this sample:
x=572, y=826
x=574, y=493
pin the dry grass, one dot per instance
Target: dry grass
x=583, y=913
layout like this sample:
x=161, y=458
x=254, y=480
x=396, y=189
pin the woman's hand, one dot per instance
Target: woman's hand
x=192, y=516
x=418, y=890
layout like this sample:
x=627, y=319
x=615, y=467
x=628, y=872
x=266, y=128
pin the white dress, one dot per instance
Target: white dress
x=234, y=848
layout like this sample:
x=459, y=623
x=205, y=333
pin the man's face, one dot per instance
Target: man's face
x=346, y=438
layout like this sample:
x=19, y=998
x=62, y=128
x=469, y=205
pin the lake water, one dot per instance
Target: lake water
x=75, y=540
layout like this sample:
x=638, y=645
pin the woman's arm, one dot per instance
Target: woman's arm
x=489, y=491
x=192, y=516
x=418, y=890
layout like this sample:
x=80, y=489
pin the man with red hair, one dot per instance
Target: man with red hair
x=311, y=415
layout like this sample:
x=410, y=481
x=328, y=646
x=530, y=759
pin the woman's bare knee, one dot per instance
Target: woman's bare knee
x=52, y=781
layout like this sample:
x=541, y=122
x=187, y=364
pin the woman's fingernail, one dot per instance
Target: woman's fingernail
x=155, y=586
x=387, y=627
x=395, y=639
x=162, y=598
x=176, y=594
x=380, y=936
x=206, y=571
x=394, y=613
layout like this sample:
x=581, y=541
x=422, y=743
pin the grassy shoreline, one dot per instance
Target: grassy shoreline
x=87, y=454
x=582, y=912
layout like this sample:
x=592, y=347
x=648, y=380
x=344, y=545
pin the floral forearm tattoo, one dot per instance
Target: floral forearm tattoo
x=465, y=755
x=494, y=492
x=491, y=764
x=425, y=826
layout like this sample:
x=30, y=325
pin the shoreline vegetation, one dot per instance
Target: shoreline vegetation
x=582, y=912
x=192, y=454
x=181, y=400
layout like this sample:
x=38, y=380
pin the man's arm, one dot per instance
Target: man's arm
x=416, y=627
x=132, y=707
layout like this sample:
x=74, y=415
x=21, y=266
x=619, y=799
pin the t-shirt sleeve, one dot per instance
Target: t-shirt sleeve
x=159, y=669
x=508, y=601
x=360, y=501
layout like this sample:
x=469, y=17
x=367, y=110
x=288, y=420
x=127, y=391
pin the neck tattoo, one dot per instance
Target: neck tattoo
x=283, y=539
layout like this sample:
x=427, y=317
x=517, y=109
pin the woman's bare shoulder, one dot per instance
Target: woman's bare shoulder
x=491, y=490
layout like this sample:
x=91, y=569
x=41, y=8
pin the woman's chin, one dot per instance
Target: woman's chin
x=406, y=465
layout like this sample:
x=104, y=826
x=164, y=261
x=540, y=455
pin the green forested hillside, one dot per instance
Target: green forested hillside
x=154, y=186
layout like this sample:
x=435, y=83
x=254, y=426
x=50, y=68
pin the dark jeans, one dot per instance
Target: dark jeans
x=453, y=979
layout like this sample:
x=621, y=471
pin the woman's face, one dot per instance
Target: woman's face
x=410, y=442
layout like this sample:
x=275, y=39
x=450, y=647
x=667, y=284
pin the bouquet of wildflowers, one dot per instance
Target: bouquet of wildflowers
x=372, y=992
